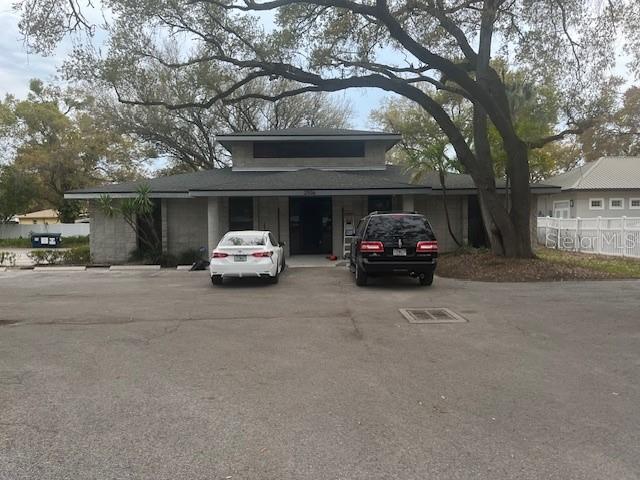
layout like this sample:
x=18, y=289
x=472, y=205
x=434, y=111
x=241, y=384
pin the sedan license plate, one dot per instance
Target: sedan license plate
x=239, y=258
x=399, y=252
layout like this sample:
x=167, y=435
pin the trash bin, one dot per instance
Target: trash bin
x=46, y=240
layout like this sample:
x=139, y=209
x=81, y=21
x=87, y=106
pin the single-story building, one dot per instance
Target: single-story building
x=607, y=187
x=41, y=217
x=309, y=186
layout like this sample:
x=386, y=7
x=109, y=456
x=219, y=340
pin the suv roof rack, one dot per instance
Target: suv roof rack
x=387, y=212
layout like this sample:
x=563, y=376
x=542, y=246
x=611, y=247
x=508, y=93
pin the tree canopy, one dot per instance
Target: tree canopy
x=57, y=142
x=186, y=136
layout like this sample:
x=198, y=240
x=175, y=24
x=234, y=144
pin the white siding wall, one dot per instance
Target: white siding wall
x=545, y=203
x=581, y=204
x=584, y=211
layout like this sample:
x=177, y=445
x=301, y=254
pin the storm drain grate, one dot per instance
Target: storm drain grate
x=431, y=315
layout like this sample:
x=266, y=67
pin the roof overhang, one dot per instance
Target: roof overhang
x=417, y=190
x=132, y=194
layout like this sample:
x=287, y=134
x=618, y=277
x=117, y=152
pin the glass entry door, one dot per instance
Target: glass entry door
x=310, y=225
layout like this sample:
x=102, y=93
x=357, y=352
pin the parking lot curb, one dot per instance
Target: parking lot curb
x=184, y=267
x=115, y=268
x=3, y=269
x=60, y=269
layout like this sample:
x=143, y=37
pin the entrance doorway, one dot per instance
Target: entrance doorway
x=310, y=225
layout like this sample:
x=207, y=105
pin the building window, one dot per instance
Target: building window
x=616, y=203
x=596, y=204
x=634, y=203
x=310, y=149
x=561, y=209
x=240, y=213
x=380, y=203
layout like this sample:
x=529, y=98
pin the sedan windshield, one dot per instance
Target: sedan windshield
x=239, y=240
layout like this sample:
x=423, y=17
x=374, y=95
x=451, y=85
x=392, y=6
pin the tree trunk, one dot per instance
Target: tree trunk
x=520, y=213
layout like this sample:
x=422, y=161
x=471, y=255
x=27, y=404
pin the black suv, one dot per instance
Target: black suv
x=394, y=244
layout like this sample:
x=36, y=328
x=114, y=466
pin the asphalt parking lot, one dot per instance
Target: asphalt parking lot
x=159, y=375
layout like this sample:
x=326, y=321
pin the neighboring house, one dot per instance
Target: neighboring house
x=41, y=217
x=308, y=186
x=607, y=187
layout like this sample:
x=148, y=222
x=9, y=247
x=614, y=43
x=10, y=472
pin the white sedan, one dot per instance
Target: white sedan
x=247, y=254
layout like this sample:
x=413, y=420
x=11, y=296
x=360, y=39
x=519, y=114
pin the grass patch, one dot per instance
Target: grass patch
x=615, y=266
x=550, y=265
x=67, y=242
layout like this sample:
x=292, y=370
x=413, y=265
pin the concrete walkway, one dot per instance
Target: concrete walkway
x=308, y=261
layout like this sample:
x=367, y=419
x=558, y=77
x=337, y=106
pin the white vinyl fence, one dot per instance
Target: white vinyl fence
x=66, y=229
x=608, y=236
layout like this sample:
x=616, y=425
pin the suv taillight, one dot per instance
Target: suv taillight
x=262, y=254
x=371, y=247
x=219, y=255
x=427, y=247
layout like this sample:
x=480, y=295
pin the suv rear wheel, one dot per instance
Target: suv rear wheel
x=361, y=276
x=427, y=279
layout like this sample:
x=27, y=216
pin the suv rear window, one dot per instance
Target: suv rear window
x=386, y=228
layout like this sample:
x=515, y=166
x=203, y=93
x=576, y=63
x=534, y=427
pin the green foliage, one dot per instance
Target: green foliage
x=48, y=257
x=7, y=259
x=17, y=192
x=424, y=147
x=155, y=257
x=190, y=256
x=75, y=241
x=617, y=132
x=67, y=242
x=80, y=255
x=168, y=260
x=60, y=143
x=137, y=212
x=616, y=266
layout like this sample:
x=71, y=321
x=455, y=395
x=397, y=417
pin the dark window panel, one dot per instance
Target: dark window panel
x=309, y=149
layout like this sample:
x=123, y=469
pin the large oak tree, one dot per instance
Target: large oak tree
x=410, y=47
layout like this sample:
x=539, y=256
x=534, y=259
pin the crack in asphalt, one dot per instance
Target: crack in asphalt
x=132, y=320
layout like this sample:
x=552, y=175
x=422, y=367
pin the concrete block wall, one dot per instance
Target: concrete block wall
x=111, y=240
x=433, y=208
x=186, y=224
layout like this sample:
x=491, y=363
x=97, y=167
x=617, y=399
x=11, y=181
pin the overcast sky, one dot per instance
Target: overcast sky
x=16, y=66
